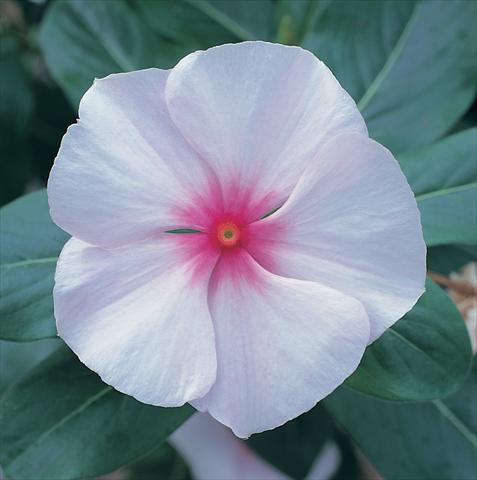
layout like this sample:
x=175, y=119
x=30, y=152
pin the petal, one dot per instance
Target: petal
x=213, y=453
x=258, y=112
x=326, y=464
x=124, y=167
x=352, y=224
x=282, y=344
x=138, y=316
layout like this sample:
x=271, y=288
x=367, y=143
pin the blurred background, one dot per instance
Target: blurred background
x=34, y=112
x=51, y=50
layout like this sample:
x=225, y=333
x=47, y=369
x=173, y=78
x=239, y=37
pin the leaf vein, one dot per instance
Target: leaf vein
x=375, y=85
x=456, y=422
x=65, y=419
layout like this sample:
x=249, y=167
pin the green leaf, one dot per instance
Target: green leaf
x=164, y=464
x=16, y=109
x=450, y=215
x=31, y=243
x=295, y=19
x=426, y=441
x=295, y=447
x=61, y=421
x=183, y=231
x=410, y=65
x=448, y=163
x=424, y=356
x=21, y=357
x=200, y=24
x=443, y=177
x=450, y=258
x=84, y=40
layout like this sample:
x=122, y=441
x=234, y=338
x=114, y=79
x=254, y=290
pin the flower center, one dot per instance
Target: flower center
x=228, y=234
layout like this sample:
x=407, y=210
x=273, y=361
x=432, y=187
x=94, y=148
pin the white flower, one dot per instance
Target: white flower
x=252, y=319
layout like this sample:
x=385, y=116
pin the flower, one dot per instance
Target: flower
x=253, y=318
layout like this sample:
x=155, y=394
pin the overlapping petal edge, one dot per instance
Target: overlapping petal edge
x=257, y=323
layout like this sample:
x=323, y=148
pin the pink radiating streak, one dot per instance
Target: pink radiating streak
x=232, y=202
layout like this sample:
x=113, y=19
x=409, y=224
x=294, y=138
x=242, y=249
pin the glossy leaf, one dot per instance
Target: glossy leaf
x=448, y=163
x=164, y=464
x=295, y=19
x=410, y=65
x=62, y=421
x=425, y=355
x=86, y=40
x=200, y=24
x=21, y=357
x=450, y=215
x=426, y=441
x=443, y=177
x=31, y=243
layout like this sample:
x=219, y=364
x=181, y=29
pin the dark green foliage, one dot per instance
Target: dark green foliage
x=411, y=66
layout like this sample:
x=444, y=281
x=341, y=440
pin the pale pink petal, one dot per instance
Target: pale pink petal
x=123, y=169
x=326, y=463
x=282, y=344
x=258, y=112
x=352, y=223
x=138, y=316
x=212, y=452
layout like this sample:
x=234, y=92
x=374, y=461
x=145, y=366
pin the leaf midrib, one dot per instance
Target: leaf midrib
x=64, y=420
x=393, y=57
x=122, y=63
x=221, y=18
x=456, y=422
x=446, y=191
x=417, y=349
x=30, y=261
